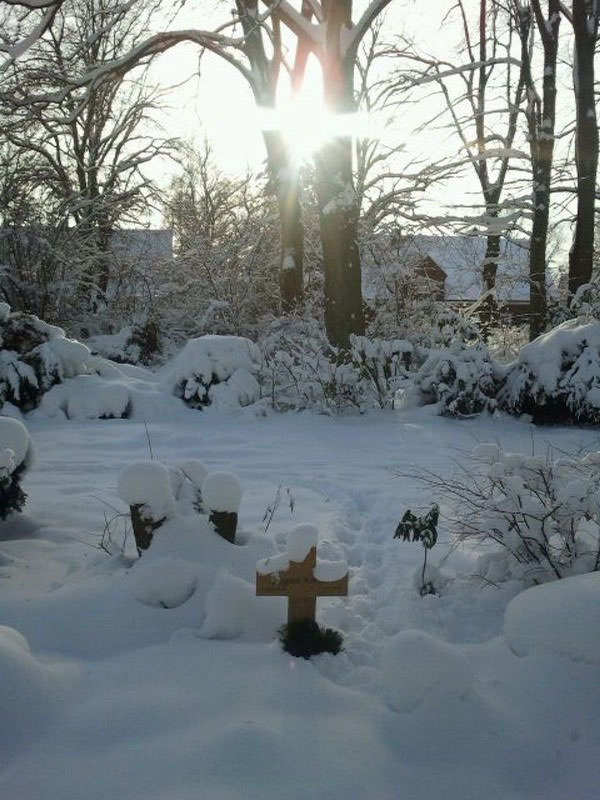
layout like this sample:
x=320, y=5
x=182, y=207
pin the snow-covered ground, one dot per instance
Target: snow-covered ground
x=161, y=678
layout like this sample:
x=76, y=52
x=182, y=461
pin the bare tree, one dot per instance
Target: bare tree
x=91, y=144
x=225, y=237
x=479, y=98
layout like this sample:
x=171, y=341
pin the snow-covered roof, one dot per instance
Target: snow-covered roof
x=143, y=244
x=462, y=257
x=128, y=244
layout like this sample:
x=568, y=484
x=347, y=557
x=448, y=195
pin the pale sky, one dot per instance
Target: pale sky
x=219, y=102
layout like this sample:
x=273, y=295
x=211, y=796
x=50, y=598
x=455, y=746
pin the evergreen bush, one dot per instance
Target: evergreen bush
x=305, y=638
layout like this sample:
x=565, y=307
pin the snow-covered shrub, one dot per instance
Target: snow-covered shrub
x=15, y=457
x=462, y=379
x=146, y=488
x=167, y=582
x=556, y=378
x=448, y=327
x=140, y=343
x=506, y=340
x=34, y=357
x=216, y=369
x=586, y=300
x=221, y=497
x=298, y=368
x=382, y=365
x=302, y=370
x=543, y=513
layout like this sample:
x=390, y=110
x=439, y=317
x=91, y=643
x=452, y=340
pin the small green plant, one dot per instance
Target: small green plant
x=420, y=529
x=305, y=638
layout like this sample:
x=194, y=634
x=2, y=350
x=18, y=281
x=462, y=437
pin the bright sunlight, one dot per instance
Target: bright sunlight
x=304, y=120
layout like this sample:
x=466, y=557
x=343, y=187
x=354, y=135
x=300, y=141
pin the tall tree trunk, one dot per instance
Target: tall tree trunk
x=337, y=200
x=537, y=247
x=285, y=183
x=541, y=121
x=489, y=312
x=585, y=27
x=338, y=218
x=283, y=178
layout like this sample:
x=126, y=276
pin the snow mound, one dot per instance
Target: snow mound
x=216, y=369
x=418, y=668
x=164, y=583
x=233, y=610
x=147, y=483
x=87, y=397
x=194, y=471
x=29, y=690
x=186, y=482
x=560, y=617
x=14, y=436
x=221, y=491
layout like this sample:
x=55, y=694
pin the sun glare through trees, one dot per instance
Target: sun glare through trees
x=302, y=117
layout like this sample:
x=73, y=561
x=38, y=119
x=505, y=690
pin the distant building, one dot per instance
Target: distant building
x=130, y=246
x=450, y=268
x=139, y=246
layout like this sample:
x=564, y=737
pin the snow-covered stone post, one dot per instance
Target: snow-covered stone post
x=146, y=488
x=221, y=496
x=297, y=576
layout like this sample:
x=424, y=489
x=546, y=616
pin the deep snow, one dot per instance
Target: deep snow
x=162, y=679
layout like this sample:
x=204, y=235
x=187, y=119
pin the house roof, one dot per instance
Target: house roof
x=127, y=244
x=143, y=244
x=462, y=257
x=461, y=260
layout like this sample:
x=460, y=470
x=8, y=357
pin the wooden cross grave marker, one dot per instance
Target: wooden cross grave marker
x=298, y=583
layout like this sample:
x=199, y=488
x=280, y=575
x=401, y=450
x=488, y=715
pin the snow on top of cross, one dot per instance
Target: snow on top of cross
x=273, y=564
x=300, y=541
x=330, y=570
